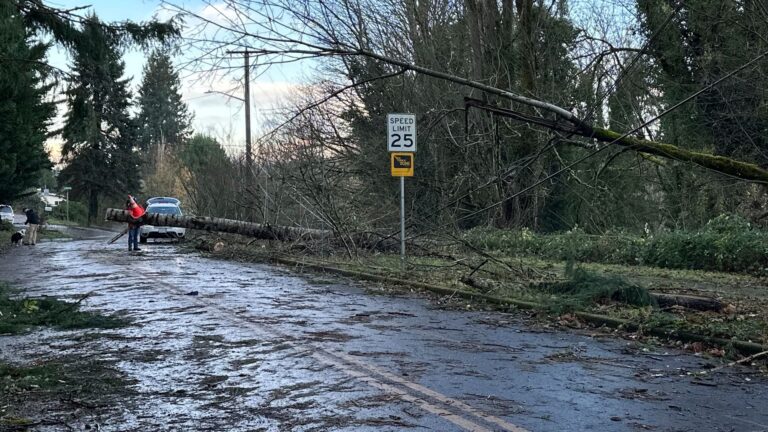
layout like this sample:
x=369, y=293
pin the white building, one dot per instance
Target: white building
x=50, y=200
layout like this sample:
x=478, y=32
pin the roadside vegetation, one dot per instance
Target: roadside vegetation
x=29, y=392
x=6, y=231
x=727, y=243
x=78, y=214
x=557, y=288
x=32, y=395
x=21, y=314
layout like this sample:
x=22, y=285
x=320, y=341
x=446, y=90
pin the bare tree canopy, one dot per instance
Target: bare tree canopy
x=565, y=92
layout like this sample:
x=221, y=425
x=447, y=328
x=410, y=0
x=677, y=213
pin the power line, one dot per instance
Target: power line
x=601, y=149
x=515, y=165
x=626, y=134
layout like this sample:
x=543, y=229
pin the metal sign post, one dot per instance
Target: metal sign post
x=401, y=143
x=402, y=165
x=402, y=223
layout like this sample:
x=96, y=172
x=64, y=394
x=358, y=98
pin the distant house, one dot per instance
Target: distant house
x=50, y=200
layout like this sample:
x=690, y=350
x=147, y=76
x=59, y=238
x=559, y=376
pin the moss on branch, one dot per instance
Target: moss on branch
x=744, y=170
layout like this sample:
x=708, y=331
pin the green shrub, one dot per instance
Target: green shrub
x=29, y=201
x=726, y=243
x=78, y=212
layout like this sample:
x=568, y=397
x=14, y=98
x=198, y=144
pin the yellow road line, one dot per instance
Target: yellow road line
x=343, y=361
x=429, y=392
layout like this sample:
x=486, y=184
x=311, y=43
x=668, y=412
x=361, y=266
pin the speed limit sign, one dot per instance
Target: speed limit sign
x=401, y=133
x=401, y=144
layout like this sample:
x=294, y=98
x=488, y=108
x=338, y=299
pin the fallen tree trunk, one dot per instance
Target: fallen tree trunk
x=690, y=302
x=483, y=285
x=722, y=164
x=231, y=226
x=368, y=240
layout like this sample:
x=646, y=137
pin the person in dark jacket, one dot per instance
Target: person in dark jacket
x=33, y=220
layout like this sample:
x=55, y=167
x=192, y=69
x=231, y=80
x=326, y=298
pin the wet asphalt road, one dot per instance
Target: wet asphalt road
x=262, y=348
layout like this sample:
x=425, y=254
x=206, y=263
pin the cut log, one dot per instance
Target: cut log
x=210, y=246
x=366, y=240
x=482, y=285
x=690, y=302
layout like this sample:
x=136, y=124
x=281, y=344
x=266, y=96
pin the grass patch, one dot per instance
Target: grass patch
x=5, y=241
x=6, y=231
x=17, y=315
x=57, y=221
x=51, y=234
x=29, y=393
x=45, y=376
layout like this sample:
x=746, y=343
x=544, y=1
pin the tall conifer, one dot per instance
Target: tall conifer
x=164, y=121
x=99, y=134
x=24, y=113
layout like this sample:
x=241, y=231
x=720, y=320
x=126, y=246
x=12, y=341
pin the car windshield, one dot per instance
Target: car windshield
x=163, y=200
x=5, y=209
x=164, y=210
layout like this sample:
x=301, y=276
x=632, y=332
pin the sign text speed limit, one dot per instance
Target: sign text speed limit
x=401, y=133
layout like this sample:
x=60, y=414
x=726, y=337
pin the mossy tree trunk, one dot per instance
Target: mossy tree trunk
x=722, y=164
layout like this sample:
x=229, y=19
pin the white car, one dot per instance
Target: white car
x=164, y=200
x=6, y=213
x=149, y=231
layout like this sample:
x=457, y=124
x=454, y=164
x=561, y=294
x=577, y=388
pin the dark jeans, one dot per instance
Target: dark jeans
x=133, y=238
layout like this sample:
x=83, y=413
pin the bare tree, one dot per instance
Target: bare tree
x=431, y=55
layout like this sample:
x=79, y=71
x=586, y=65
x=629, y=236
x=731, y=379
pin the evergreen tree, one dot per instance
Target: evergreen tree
x=209, y=179
x=203, y=150
x=63, y=25
x=164, y=122
x=99, y=134
x=704, y=41
x=24, y=115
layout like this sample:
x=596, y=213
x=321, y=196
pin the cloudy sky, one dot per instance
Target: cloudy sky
x=213, y=113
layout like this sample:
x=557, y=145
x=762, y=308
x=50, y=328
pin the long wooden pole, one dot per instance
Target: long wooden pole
x=247, y=102
x=250, y=229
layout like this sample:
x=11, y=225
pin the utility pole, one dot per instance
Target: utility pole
x=247, y=100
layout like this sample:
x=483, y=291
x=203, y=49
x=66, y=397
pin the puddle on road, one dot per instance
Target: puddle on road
x=238, y=356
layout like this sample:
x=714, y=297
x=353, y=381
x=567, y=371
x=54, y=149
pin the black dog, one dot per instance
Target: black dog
x=17, y=237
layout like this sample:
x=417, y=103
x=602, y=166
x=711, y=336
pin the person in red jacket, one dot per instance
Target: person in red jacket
x=137, y=212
